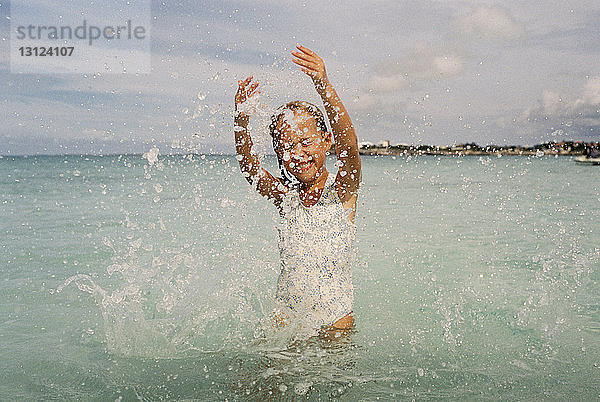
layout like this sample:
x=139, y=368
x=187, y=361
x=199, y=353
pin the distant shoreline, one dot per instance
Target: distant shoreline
x=568, y=148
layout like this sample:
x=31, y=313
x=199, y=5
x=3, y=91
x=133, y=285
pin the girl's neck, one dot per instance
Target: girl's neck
x=313, y=189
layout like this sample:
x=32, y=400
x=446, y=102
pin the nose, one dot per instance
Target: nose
x=298, y=150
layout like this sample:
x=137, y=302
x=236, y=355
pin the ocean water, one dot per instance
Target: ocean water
x=130, y=277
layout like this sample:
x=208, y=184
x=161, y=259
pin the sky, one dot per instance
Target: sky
x=412, y=72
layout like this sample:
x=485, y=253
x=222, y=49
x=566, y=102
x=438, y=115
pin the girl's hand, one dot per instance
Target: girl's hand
x=312, y=65
x=245, y=91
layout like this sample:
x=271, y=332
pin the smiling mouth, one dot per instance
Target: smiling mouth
x=304, y=166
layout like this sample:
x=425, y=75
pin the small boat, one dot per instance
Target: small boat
x=591, y=156
x=587, y=160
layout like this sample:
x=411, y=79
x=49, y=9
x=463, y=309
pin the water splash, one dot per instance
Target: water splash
x=151, y=155
x=167, y=291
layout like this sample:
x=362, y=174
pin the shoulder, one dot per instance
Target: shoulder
x=344, y=189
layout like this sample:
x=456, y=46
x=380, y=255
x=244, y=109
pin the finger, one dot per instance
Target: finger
x=245, y=82
x=305, y=50
x=253, y=86
x=252, y=93
x=240, y=89
x=303, y=56
x=308, y=71
x=307, y=64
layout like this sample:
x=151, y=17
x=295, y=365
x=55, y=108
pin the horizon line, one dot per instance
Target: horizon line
x=371, y=146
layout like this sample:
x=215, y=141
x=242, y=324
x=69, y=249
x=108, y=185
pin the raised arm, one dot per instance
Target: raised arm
x=267, y=185
x=346, y=144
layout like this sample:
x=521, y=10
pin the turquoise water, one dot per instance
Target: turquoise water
x=477, y=278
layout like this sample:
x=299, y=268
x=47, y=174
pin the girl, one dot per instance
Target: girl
x=317, y=229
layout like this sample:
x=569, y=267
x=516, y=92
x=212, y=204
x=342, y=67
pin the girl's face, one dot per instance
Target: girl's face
x=301, y=145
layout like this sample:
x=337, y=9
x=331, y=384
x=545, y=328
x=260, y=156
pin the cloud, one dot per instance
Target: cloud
x=426, y=61
x=364, y=102
x=388, y=83
x=423, y=62
x=588, y=105
x=583, y=109
x=429, y=62
x=489, y=23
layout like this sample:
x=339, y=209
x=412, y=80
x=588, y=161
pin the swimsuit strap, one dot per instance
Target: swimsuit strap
x=330, y=179
x=328, y=188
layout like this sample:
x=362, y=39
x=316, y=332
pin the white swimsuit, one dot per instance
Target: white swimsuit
x=317, y=252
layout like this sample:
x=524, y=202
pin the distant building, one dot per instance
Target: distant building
x=384, y=143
